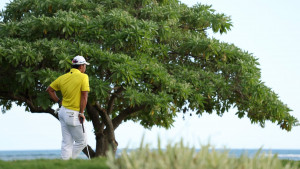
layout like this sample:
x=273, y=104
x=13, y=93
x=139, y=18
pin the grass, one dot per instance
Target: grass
x=179, y=156
x=98, y=163
x=292, y=162
x=176, y=156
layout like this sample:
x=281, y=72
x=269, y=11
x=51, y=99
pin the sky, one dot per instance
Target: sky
x=268, y=29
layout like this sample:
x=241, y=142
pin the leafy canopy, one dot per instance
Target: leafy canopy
x=158, y=51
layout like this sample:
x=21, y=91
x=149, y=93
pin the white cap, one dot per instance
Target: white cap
x=79, y=60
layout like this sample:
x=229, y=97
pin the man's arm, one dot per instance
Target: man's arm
x=83, y=102
x=53, y=95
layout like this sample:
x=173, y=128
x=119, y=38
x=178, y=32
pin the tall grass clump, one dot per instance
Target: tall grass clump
x=179, y=156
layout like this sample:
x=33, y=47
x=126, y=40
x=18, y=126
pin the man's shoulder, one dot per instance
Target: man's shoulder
x=84, y=75
x=64, y=75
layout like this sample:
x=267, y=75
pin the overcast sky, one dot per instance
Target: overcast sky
x=269, y=29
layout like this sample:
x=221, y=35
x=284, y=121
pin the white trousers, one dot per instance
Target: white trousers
x=73, y=138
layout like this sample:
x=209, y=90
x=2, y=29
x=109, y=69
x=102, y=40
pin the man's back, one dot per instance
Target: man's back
x=71, y=85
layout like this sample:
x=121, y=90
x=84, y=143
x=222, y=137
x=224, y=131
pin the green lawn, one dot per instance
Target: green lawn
x=125, y=159
x=99, y=163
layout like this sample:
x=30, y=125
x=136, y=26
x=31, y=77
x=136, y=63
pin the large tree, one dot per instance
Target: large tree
x=150, y=60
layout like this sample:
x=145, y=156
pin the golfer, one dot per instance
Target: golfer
x=74, y=87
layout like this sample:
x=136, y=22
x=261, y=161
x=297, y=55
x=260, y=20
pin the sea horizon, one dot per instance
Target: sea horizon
x=11, y=155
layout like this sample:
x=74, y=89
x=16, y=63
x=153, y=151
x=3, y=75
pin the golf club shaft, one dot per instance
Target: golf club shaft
x=82, y=127
x=87, y=148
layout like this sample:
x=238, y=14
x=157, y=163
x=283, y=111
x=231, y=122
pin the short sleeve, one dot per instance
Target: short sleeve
x=85, y=84
x=55, y=84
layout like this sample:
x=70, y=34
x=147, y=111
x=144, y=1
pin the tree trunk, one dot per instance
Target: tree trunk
x=102, y=146
x=105, y=127
x=104, y=137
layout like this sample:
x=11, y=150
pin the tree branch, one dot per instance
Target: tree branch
x=104, y=116
x=112, y=100
x=94, y=116
x=29, y=103
x=109, y=128
x=124, y=114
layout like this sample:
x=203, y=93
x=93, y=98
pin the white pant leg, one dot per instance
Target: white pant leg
x=80, y=140
x=67, y=142
x=71, y=131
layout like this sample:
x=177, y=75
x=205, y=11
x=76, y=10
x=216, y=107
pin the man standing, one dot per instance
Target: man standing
x=74, y=87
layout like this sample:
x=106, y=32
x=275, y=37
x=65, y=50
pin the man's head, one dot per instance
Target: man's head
x=79, y=63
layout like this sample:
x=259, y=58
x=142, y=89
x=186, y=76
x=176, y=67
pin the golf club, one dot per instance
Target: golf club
x=81, y=121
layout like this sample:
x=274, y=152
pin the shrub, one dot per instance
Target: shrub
x=180, y=156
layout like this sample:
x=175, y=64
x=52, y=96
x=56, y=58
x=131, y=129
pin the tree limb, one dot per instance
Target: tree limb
x=109, y=128
x=125, y=113
x=112, y=100
x=29, y=103
x=104, y=116
x=94, y=116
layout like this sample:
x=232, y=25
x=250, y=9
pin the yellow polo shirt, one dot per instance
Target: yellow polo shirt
x=71, y=84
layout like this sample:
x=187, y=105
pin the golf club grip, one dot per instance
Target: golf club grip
x=81, y=121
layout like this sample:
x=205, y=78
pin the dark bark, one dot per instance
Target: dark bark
x=108, y=133
x=113, y=98
x=94, y=116
x=101, y=145
x=98, y=127
x=106, y=137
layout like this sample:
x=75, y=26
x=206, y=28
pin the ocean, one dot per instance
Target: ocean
x=55, y=154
